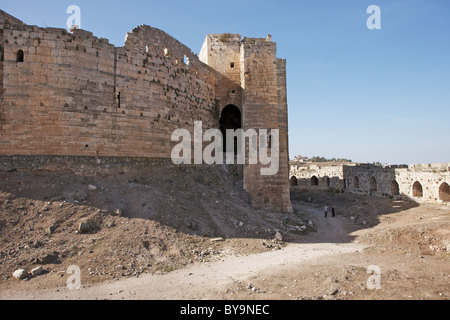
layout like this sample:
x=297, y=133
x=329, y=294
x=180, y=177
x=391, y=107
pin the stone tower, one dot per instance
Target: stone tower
x=258, y=90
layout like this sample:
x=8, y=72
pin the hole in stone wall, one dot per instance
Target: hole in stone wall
x=166, y=52
x=314, y=181
x=444, y=192
x=232, y=65
x=186, y=60
x=417, y=190
x=328, y=182
x=19, y=56
x=395, y=189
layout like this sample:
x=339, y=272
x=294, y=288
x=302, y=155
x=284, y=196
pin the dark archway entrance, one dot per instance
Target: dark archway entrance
x=417, y=190
x=444, y=192
x=294, y=181
x=356, y=182
x=395, y=189
x=314, y=181
x=230, y=119
x=373, y=184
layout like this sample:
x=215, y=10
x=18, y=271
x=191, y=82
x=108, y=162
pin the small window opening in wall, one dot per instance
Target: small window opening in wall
x=232, y=65
x=118, y=100
x=146, y=49
x=233, y=91
x=86, y=146
x=186, y=60
x=166, y=52
x=20, y=56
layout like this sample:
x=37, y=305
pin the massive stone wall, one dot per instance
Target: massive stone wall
x=425, y=182
x=74, y=94
x=422, y=183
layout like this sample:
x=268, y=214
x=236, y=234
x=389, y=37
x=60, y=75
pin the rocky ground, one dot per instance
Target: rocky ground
x=190, y=233
x=124, y=225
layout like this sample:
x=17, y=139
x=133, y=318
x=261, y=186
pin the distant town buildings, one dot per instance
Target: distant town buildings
x=301, y=158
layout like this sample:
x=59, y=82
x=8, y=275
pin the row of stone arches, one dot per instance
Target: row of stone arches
x=417, y=188
x=314, y=181
x=373, y=183
x=444, y=191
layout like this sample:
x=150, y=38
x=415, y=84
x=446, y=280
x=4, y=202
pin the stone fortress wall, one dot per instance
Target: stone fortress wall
x=422, y=182
x=74, y=94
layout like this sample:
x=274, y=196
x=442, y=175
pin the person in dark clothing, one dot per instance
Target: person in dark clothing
x=333, y=211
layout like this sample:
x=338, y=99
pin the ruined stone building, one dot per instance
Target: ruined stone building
x=73, y=94
x=421, y=182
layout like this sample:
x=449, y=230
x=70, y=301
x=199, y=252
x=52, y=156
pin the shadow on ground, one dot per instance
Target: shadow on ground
x=353, y=212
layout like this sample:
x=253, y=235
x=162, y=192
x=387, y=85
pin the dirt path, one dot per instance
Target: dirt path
x=332, y=230
x=211, y=280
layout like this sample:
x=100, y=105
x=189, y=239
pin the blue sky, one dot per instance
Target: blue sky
x=367, y=95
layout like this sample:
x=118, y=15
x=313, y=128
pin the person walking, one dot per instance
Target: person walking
x=326, y=209
x=333, y=211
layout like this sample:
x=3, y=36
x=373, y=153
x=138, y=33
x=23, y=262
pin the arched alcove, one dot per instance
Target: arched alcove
x=356, y=182
x=417, y=190
x=314, y=181
x=373, y=184
x=444, y=192
x=395, y=189
x=294, y=181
